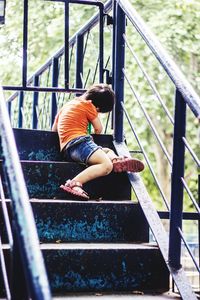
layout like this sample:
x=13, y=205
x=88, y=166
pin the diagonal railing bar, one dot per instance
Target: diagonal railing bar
x=190, y=195
x=107, y=121
x=95, y=71
x=25, y=123
x=152, y=85
x=44, y=99
x=107, y=62
x=146, y=157
x=87, y=78
x=189, y=249
x=191, y=151
x=148, y=119
x=71, y=56
x=184, y=87
x=33, y=263
x=86, y=43
x=4, y=272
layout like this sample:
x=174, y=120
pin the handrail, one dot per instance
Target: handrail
x=184, y=87
x=23, y=216
x=185, y=94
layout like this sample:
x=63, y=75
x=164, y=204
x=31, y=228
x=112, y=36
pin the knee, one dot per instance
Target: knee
x=107, y=167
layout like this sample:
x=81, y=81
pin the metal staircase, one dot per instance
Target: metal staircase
x=88, y=246
x=101, y=246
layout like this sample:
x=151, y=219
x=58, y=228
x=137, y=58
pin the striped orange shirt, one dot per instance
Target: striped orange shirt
x=73, y=118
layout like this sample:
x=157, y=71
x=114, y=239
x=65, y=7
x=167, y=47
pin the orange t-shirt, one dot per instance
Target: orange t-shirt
x=73, y=118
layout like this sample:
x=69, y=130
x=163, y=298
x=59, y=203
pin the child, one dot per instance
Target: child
x=72, y=121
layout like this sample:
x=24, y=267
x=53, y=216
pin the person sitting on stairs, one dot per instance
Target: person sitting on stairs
x=71, y=123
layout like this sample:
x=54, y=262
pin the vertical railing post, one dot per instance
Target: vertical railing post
x=35, y=104
x=199, y=224
x=176, y=183
x=9, y=107
x=19, y=290
x=25, y=44
x=101, y=42
x=55, y=73
x=66, y=45
x=79, y=61
x=120, y=24
x=20, y=109
x=113, y=43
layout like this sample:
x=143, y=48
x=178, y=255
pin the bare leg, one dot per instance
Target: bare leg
x=99, y=165
x=110, y=153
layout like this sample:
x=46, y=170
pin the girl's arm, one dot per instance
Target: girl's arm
x=55, y=124
x=54, y=127
x=96, y=123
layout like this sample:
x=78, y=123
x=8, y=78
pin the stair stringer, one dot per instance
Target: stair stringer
x=156, y=226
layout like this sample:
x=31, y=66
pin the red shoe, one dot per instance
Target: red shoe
x=70, y=188
x=125, y=164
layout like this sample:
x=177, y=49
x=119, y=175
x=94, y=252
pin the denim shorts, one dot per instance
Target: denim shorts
x=80, y=149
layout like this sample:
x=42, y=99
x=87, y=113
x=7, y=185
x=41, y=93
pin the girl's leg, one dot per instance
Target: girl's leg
x=99, y=165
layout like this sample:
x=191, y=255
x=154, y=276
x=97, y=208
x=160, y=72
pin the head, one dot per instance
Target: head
x=102, y=96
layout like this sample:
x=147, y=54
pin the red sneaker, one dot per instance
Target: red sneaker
x=125, y=164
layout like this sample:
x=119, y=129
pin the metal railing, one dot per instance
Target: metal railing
x=125, y=16
x=58, y=72
x=185, y=95
x=21, y=231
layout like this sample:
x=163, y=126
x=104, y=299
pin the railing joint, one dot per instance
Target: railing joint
x=109, y=19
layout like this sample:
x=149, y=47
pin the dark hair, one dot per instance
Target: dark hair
x=102, y=96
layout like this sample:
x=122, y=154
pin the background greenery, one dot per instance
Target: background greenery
x=176, y=24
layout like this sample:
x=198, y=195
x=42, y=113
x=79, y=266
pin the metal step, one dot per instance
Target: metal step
x=107, y=267
x=43, y=180
x=121, y=296
x=87, y=221
x=44, y=145
x=82, y=221
x=102, y=268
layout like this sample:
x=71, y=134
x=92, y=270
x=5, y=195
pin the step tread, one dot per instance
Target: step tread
x=43, y=181
x=92, y=201
x=128, y=296
x=99, y=246
x=123, y=296
x=85, y=202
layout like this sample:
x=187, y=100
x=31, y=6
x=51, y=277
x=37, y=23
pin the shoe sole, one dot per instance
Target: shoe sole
x=73, y=192
x=128, y=165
